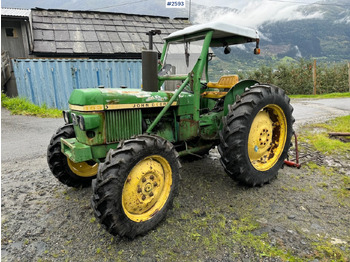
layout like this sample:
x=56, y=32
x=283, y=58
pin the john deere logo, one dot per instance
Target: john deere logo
x=138, y=105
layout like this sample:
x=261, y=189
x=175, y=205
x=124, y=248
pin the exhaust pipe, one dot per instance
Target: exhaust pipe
x=150, y=65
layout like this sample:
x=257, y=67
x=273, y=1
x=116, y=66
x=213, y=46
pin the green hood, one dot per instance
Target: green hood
x=121, y=98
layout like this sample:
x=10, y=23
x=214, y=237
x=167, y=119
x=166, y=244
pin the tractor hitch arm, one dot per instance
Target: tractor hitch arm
x=172, y=99
x=296, y=163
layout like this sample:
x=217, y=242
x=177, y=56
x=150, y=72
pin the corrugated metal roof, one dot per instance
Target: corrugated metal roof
x=79, y=33
x=15, y=12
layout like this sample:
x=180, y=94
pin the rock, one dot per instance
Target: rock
x=305, y=230
x=273, y=242
x=278, y=229
x=302, y=208
x=336, y=241
x=262, y=220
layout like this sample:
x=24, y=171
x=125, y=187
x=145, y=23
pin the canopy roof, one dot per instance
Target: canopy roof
x=232, y=34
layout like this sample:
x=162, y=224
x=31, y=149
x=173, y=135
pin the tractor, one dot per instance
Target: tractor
x=127, y=142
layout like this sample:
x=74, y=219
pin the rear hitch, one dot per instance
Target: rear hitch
x=296, y=163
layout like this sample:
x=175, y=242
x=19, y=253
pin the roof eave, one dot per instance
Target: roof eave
x=88, y=55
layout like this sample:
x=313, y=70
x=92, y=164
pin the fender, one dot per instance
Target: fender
x=237, y=89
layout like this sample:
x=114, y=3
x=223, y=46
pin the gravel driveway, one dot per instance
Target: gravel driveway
x=300, y=215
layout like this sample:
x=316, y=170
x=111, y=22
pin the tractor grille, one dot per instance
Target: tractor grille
x=122, y=124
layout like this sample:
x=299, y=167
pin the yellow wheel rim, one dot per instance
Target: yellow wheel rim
x=82, y=169
x=147, y=188
x=267, y=137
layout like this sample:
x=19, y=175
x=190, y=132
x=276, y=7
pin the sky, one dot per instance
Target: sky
x=252, y=13
x=239, y=4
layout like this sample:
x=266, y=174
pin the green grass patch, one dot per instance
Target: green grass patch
x=331, y=95
x=21, y=106
x=214, y=233
x=339, y=124
x=321, y=140
x=327, y=251
x=328, y=145
x=343, y=193
x=338, y=183
x=242, y=233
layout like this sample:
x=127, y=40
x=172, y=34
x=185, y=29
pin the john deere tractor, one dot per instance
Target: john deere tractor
x=128, y=141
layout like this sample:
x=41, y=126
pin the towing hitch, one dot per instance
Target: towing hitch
x=296, y=163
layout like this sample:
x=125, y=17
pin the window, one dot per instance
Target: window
x=183, y=56
x=11, y=32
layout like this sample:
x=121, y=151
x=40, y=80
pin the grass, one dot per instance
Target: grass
x=215, y=233
x=331, y=178
x=331, y=95
x=339, y=124
x=317, y=136
x=321, y=141
x=326, y=251
x=21, y=106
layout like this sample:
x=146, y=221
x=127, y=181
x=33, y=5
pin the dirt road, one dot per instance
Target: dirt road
x=315, y=110
x=300, y=215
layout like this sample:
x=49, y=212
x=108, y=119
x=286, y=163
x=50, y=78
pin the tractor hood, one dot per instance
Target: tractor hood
x=94, y=99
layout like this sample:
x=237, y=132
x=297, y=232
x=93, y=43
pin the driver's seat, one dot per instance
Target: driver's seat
x=225, y=82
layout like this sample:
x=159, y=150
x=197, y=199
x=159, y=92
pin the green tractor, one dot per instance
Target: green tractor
x=127, y=142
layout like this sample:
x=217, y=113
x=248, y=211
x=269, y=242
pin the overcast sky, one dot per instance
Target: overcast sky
x=239, y=4
x=252, y=13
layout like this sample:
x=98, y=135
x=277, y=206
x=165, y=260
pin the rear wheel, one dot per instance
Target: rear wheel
x=256, y=135
x=65, y=170
x=136, y=185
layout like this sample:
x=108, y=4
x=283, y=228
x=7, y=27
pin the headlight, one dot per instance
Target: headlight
x=66, y=116
x=81, y=122
x=74, y=119
x=88, y=122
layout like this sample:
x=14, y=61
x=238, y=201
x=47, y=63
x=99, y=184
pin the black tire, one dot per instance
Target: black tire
x=60, y=166
x=116, y=179
x=268, y=147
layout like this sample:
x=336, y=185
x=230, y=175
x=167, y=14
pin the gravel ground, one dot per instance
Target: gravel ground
x=303, y=214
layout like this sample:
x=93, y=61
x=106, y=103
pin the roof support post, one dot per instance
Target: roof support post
x=198, y=72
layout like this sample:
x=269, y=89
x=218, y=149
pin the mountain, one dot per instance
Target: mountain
x=324, y=36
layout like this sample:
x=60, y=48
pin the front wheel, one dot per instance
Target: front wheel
x=136, y=185
x=66, y=171
x=256, y=135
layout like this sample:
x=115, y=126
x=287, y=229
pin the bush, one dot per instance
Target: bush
x=296, y=77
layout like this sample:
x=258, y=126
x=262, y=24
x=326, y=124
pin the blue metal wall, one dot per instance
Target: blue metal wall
x=51, y=81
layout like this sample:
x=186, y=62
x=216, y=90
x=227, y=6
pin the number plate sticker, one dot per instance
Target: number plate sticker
x=175, y=4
